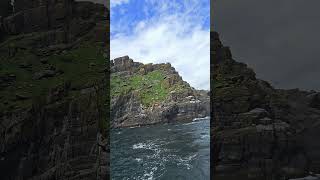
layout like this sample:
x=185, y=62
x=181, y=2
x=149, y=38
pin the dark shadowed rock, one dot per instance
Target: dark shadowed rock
x=5, y=8
x=52, y=126
x=74, y=19
x=44, y=74
x=259, y=132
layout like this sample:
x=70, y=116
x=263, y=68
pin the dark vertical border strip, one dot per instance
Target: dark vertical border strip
x=215, y=145
x=63, y=130
x=211, y=93
x=108, y=90
x=104, y=124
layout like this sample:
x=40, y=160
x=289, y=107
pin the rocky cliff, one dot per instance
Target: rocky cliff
x=143, y=94
x=54, y=90
x=259, y=132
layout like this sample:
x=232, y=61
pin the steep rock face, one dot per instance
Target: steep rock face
x=54, y=89
x=5, y=8
x=63, y=20
x=259, y=132
x=152, y=93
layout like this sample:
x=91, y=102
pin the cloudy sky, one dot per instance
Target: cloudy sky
x=175, y=31
x=279, y=39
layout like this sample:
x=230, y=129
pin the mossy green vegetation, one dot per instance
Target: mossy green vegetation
x=78, y=67
x=75, y=69
x=150, y=87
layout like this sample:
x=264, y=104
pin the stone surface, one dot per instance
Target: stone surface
x=53, y=116
x=259, y=132
x=128, y=107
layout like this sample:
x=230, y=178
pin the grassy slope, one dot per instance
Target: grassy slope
x=82, y=67
x=152, y=88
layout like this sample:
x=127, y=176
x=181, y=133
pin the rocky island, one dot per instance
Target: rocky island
x=257, y=131
x=145, y=94
x=53, y=90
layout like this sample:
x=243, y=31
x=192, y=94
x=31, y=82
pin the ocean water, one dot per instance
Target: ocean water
x=162, y=152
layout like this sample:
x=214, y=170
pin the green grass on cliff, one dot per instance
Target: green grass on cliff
x=80, y=67
x=149, y=87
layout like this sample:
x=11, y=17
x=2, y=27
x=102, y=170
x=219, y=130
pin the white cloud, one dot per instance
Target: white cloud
x=114, y=3
x=176, y=38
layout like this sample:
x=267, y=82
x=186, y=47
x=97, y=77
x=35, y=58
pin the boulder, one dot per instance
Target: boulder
x=44, y=74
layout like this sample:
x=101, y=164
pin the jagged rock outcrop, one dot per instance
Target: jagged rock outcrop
x=60, y=22
x=259, y=132
x=54, y=90
x=143, y=94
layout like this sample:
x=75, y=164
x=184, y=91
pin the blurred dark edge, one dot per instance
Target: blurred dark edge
x=54, y=90
x=212, y=160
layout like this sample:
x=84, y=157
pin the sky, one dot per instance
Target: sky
x=160, y=31
x=278, y=39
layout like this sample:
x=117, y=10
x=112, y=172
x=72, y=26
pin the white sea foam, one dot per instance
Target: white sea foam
x=204, y=136
x=194, y=122
x=153, y=155
x=187, y=161
x=149, y=175
x=148, y=145
x=132, y=127
x=140, y=146
x=155, y=161
x=138, y=159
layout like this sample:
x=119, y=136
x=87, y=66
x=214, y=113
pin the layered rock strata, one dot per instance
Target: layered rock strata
x=259, y=132
x=144, y=94
x=54, y=89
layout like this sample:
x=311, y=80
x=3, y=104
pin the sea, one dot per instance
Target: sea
x=179, y=151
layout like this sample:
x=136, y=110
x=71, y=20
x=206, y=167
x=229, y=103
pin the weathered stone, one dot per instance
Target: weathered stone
x=257, y=123
x=14, y=24
x=25, y=65
x=265, y=121
x=39, y=16
x=128, y=110
x=5, y=8
x=44, y=61
x=44, y=74
x=45, y=133
x=22, y=97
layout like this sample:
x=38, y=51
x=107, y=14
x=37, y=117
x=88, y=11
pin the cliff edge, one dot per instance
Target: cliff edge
x=144, y=94
x=259, y=132
x=53, y=90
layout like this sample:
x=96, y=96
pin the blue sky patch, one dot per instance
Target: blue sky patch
x=160, y=31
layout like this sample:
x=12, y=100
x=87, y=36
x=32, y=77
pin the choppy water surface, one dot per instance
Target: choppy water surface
x=172, y=151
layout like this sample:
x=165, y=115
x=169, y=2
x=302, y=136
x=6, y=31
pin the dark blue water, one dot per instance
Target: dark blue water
x=162, y=152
